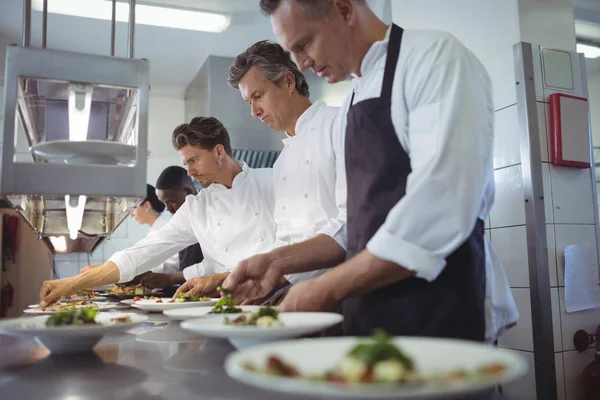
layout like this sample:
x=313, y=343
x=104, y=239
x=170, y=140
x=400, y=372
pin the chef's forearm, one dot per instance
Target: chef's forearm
x=102, y=275
x=317, y=253
x=362, y=274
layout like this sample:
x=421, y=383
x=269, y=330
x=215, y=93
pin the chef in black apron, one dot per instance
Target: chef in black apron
x=418, y=156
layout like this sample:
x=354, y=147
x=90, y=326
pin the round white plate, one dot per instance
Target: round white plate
x=315, y=356
x=69, y=339
x=197, y=312
x=85, y=152
x=35, y=308
x=153, y=306
x=294, y=324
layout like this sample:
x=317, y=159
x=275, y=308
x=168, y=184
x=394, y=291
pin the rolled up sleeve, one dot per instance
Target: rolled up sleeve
x=155, y=248
x=450, y=136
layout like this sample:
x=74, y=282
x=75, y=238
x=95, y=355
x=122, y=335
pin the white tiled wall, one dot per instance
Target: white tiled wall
x=571, y=322
x=509, y=203
x=523, y=389
x=501, y=68
x=506, y=138
x=520, y=337
x=572, y=195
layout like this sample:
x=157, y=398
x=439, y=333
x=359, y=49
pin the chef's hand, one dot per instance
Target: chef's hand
x=158, y=280
x=310, y=295
x=52, y=291
x=203, y=285
x=254, y=278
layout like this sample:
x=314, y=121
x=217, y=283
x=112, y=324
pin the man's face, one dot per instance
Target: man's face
x=172, y=198
x=270, y=103
x=202, y=165
x=323, y=44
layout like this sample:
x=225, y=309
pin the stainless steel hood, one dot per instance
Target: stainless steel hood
x=74, y=146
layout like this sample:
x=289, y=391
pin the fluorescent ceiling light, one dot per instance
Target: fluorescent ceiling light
x=144, y=14
x=588, y=50
x=80, y=105
x=75, y=208
x=59, y=243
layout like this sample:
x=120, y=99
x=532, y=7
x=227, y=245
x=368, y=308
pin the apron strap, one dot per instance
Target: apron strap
x=393, y=52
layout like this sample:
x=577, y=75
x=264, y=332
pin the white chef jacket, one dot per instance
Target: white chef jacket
x=310, y=182
x=438, y=83
x=172, y=264
x=230, y=225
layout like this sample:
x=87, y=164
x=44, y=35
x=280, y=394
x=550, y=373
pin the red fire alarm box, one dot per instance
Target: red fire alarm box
x=569, y=131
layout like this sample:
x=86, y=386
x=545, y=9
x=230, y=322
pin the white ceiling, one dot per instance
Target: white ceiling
x=176, y=55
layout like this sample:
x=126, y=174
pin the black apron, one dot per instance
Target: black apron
x=189, y=256
x=377, y=168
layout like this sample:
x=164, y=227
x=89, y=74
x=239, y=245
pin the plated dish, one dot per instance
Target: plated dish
x=72, y=305
x=379, y=367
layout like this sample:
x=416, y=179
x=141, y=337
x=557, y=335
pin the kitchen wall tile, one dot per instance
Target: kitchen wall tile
x=574, y=363
x=572, y=195
x=121, y=231
x=507, y=150
x=95, y=257
x=556, y=324
x=59, y=257
x=560, y=376
x=111, y=246
x=524, y=388
x=511, y=246
x=66, y=269
x=501, y=69
x=587, y=320
x=568, y=235
x=543, y=127
x=520, y=337
x=509, y=204
x=547, y=187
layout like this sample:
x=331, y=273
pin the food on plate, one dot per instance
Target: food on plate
x=129, y=290
x=226, y=305
x=155, y=298
x=82, y=295
x=62, y=306
x=188, y=297
x=378, y=361
x=81, y=316
x=266, y=317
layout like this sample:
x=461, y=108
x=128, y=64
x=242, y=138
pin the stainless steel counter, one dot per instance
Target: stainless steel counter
x=156, y=361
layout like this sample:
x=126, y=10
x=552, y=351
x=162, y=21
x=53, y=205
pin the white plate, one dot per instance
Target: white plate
x=85, y=152
x=294, y=324
x=153, y=306
x=68, y=339
x=197, y=312
x=35, y=308
x=316, y=356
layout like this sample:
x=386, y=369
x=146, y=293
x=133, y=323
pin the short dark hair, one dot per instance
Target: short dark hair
x=311, y=8
x=156, y=204
x=174, y=177
x=203, y=132
x=273, y=61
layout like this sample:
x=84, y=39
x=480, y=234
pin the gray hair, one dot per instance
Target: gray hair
x=274, y=62
x=315, y=9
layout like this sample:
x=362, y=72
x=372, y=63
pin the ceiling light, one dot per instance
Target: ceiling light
x=167, y=17
x=80, y=105
x=59, y=243
x=588, y=50
x=75, y=208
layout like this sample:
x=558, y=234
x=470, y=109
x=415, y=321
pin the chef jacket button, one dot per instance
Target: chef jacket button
x=262, y=239
x=284, y=178
x=225, y=249
x=305, y=195
x=307, y=161
x=256, y=214
x=218, y=224
x=283, y=208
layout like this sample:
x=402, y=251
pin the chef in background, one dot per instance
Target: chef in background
x=172, y=187
x=231, y=218
x=418, y=152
